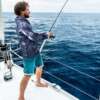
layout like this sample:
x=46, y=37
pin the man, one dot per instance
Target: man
x=29, y=46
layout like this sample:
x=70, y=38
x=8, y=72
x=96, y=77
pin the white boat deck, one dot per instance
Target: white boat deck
x=9, y=89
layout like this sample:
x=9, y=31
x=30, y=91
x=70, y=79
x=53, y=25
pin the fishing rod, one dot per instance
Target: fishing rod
x=44, y=42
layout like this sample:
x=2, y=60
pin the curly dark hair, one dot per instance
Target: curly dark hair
x=19, y=7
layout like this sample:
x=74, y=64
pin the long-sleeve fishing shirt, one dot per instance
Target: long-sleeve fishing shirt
x=28, y=39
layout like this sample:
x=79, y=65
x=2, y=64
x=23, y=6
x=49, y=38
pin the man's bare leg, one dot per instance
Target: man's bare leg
x=23, y=85
x=38, y=78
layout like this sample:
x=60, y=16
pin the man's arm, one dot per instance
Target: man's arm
x=25, y=30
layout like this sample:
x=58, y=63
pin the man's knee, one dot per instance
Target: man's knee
x=27, y=77
x=39, y=68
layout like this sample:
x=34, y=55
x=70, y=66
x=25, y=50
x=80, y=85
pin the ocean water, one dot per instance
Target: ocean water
x=72, y=59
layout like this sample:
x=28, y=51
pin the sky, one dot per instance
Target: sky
x=55, y=5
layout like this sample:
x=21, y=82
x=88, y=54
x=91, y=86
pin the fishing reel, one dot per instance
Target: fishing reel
x=52, y=37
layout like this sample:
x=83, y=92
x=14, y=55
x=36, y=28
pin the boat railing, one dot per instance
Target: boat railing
x=56, y=77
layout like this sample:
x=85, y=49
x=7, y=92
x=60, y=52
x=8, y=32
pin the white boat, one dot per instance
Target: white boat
x=9, y=90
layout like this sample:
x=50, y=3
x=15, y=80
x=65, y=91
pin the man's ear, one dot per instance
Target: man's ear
x=22, y=12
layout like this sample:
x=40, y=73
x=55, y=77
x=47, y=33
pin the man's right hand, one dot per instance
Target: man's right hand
x=50, y=34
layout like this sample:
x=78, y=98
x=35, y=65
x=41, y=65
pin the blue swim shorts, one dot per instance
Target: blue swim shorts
x=31, y=63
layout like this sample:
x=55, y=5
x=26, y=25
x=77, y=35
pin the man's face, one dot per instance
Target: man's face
x=26, y=12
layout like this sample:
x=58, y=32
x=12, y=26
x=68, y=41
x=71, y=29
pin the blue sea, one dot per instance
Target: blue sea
x=72, y=59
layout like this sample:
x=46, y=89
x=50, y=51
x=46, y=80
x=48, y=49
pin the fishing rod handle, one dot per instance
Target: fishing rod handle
x=52, y=37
